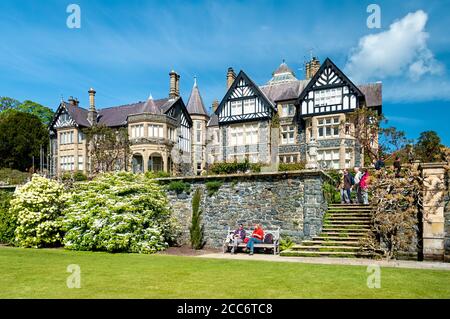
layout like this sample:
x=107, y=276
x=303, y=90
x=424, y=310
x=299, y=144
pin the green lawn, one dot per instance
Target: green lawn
x=29, y=273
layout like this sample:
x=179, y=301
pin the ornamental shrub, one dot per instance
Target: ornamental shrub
x=179, y=187
x=291, y=166
x=8, y=220
x=197, y=229
x=118, y=212
x=235, y=167
x=39, y=207
x=213, y=187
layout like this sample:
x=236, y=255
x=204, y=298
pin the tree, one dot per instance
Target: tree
x=396, y=212
x=7, y=103
x=44, y=113
x=21, y=136
x=429, y=148
x=109, y=148
x=196, y=229
x=374, y=139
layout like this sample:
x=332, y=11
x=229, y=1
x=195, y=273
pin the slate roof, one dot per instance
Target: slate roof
x=117, y=115
x=213, y=120
x=372, y=93
x=195, y=104
x=282, y=74
x=78, y=114
x=284, y=90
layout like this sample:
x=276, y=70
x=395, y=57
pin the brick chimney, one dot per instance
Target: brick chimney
x=174, y=90
x=311, y=68
x=92, y=114
x=215, y=105
x=230, y=77
x=73, y=101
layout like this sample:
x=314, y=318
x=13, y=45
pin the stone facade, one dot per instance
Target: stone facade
x=293, y=202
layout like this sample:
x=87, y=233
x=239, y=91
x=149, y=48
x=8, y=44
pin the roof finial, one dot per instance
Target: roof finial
x=62, y=98
x=150, y=97
x=195, y=80
x=284, y=61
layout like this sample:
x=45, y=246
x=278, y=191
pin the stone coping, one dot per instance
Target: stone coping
x=286, y=174
x=433, y=165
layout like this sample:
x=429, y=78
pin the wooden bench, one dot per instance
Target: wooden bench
x=275, y=246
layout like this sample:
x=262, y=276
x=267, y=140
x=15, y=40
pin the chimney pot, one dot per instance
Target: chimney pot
x=215, y=105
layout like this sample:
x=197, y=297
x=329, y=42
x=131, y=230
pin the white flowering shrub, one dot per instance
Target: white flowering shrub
x=39, y=206
x=118, y=212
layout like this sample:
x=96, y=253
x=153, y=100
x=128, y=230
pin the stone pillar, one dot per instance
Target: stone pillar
x=165, y=162
x=433, y=221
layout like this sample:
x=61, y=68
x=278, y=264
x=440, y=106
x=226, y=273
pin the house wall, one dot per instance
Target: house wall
x=293, y=202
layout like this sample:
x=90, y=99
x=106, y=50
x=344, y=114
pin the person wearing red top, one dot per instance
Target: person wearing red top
x=257, y=237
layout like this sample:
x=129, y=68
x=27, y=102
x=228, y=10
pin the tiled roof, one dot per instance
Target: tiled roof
x=195, y=104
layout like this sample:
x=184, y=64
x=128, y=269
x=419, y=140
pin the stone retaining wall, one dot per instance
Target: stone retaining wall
x=292, y=201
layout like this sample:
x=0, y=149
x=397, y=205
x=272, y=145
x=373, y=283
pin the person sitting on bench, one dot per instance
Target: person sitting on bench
x=257, y=238
x=238, y=237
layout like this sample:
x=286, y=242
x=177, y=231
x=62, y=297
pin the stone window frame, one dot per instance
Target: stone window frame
x=293, y=131
x=324, y=126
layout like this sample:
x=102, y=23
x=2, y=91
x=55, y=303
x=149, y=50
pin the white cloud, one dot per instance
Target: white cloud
x=398, y=51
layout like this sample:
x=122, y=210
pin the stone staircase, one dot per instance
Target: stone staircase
x=343, y=227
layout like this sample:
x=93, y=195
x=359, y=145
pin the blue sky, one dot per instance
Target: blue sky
x=125, y=50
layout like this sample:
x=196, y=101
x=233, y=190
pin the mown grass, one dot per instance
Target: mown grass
x=30, y=273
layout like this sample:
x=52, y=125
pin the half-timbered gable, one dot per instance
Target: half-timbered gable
x=244, y=101
x=329, y=91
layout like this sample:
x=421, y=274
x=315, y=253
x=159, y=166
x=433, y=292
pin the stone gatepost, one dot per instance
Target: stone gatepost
x=434, y=190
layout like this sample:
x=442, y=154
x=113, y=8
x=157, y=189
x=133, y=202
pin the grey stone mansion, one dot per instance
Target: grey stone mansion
x=240, y=127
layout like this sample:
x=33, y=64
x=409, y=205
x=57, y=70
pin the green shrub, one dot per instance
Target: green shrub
x=212, y=187
x=331, y=193
x=70, y=177
x=196, y=230
x=39, y=206
x=235, y=167
x=286, y=243
x=8, y=220
x=158, y=174
x=79, y=177
x=179, y=187
x=118, y=212
x=291, y=166
x=13, y=176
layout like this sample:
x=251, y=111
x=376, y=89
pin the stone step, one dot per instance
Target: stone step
x=346, y=223
x=325, y=248
x=345, y=232
x=349, y=214
x=354, y=238
x=326, y=242
x=342, y=254
x=335, y=210
x=361, y=218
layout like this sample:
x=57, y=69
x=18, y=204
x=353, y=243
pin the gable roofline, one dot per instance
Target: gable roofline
x=62, y=106
x=329, y=63
x=230, y=90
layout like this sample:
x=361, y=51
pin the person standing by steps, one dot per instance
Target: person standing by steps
x=256, y=238
x=347, y=182
x=364, y=184
x=358, y=175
